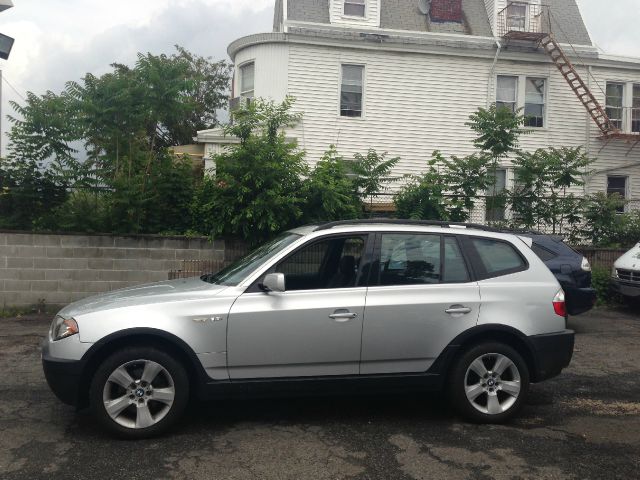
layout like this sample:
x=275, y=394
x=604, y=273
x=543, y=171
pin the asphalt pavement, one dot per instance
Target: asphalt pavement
x=584, y=424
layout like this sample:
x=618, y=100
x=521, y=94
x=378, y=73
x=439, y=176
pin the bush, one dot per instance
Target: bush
x=601, y=282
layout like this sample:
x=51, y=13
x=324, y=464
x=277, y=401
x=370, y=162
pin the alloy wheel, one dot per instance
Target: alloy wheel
x=492, y=383
x=138, y=394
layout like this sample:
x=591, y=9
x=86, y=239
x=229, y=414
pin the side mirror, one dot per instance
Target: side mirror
x=273, y=282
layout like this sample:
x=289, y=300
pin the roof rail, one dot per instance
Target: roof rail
x=395, y=221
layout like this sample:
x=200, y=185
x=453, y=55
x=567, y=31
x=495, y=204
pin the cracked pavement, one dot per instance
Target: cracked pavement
x=584, y=424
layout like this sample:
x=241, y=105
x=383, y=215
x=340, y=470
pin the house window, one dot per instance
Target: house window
x=517, y=17
x=615, y=103
x=351, y=91
x=354, y=8
x=534, y=102
x=635, y=110
x=507, y=93
x=496, y=202
x=247, y=77
x=616, y=184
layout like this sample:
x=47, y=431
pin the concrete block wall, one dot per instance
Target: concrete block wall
x=58, y=269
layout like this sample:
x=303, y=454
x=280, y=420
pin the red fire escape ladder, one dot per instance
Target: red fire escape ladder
x=568, y=71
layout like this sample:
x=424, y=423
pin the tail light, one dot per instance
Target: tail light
x=586, y=266
x=559, y=304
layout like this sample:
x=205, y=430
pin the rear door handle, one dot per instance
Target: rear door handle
x=343, y=316
x=458, y=310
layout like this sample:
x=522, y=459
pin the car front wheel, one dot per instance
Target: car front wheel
x=489, y=383
x=139, y=392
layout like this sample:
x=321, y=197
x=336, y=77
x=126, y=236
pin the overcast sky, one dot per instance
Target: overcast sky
x=60, y=40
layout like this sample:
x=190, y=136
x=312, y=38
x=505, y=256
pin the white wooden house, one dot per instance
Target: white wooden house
x=403, y=76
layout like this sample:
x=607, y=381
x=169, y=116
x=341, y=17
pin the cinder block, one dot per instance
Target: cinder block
x=8, y=250
x=176, y=243
x=102, y=241
x=135, y=277
x=113, y=275
x=82, y=287
x=74, y=263
x=18, y=299
x=188, y=254
x=74, y=241
x=127, y=265
x=21, y=274
x=20, y=239
x=59, y=252
x=57, y=274
x=46, y=240
x=30, y=251
x=159, y=254
x=20, y=262
x=127, y=242
x=87, y=252
x=3, y=262
x=114, y=253
x=44, y=286
x=85, y=275
x=100, y=263
x=46, y=263
x=3, y=238
x=136, y=253
x=200, y=244
x=17, y=285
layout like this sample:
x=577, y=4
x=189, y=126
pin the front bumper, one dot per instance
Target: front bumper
x=552, y=353
x=62, y=375
x=626, y=289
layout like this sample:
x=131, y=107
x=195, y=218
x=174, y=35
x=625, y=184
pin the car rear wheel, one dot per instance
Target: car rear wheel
x=139, y=392
x=489, y=383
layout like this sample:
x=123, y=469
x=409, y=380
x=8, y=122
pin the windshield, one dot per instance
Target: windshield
x=240, y=269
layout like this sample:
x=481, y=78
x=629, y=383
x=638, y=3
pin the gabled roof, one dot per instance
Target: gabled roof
x=566, y=20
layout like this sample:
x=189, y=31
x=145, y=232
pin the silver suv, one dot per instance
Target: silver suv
x=339, y=307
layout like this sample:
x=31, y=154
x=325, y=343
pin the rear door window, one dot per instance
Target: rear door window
x=544, y=254
x=498, y=257
x=420, y=259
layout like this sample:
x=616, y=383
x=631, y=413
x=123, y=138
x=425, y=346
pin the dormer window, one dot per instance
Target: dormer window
x=355, y=8
x=517, y=17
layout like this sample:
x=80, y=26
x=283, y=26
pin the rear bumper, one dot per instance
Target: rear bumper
x=552, y=353
x=579, y=300
x=63, y=377
x=626, y=289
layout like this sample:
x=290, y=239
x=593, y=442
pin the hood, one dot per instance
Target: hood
x=630, y=260
x=153, y=293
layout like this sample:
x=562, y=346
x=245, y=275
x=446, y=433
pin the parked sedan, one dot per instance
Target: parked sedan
x=345, y=306
x=570, y=267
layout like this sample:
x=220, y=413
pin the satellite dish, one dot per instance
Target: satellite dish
x=424, y=6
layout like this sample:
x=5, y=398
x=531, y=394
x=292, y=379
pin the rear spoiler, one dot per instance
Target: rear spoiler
x=527, y=240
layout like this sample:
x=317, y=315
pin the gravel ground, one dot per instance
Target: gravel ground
x=584, y=424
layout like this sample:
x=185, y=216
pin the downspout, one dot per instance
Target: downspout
x=493, y=71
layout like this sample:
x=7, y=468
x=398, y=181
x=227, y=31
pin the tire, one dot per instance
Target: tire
x=491, y=397
x=139, y=392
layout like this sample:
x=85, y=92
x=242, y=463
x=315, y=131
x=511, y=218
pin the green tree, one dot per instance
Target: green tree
x=372, y=173
x=259, y=181
x=498, y=131
x=111, y=133
x=329, y=192
x=465, y=178
x=541, y=195
x=422, y=198
x=603, y=223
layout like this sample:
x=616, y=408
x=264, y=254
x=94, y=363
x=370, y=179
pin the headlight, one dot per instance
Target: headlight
x=63, y=328
x=586, y=266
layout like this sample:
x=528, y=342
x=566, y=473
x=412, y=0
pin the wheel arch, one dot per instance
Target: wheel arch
x=487, y=333
x=137, y=337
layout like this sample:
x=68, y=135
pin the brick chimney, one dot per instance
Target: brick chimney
x=446, y=11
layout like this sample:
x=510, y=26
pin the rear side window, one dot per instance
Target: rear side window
x=542, y=253
x=497, y=257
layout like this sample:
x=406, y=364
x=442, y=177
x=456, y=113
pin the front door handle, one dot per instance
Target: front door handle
x=342, y=316
x=458, y=310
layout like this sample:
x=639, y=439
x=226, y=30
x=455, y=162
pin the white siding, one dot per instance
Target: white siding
x=372, y=15
x=417, y=103
x=271, y=72
x=491, y=12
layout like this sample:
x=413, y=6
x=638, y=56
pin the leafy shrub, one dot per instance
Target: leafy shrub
x=601, y=282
